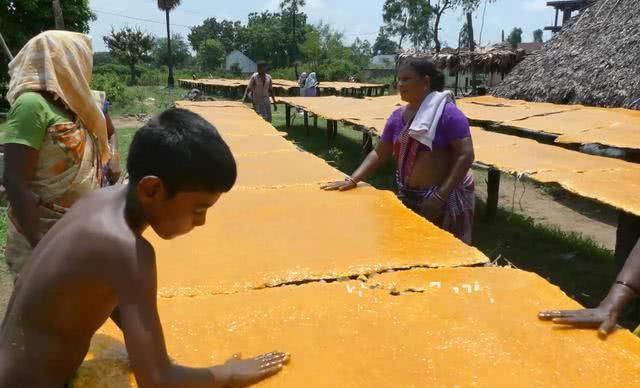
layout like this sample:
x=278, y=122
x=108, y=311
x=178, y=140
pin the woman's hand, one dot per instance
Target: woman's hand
x=604, y=317
x=432, y=208
x=113, y=170
x=345, y=185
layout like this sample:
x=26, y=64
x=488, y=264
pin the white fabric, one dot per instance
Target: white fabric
x=424, y=125
x=312, y=81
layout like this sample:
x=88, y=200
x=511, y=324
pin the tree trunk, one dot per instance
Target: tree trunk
x=170, y=81
x=132, y=68
x=435, y=32
x=472, y=48
x=57, y=14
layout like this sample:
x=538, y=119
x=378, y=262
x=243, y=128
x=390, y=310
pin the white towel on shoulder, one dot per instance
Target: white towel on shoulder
x=424, y=125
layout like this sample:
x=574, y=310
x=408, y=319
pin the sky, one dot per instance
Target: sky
x=354, y=18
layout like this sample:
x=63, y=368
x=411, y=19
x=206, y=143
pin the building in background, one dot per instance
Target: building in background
x=246, y=64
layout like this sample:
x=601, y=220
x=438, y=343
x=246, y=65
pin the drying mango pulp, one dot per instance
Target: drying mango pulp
x=457, y=327
x=254, y=238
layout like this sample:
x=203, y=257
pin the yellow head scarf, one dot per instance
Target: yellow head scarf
x=61, y=62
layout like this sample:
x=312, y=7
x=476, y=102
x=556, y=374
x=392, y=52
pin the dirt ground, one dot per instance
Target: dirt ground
x=551, y=208
x=126, y=122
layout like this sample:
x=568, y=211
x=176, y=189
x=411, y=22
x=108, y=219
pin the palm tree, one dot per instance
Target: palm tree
x=57, y=14
x=167, y=6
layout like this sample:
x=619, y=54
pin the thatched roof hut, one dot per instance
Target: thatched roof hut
x=494, y=59
x=594, y=60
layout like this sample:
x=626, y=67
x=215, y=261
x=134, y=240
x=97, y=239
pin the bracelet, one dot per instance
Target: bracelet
x=350, y=179
x=629, y=286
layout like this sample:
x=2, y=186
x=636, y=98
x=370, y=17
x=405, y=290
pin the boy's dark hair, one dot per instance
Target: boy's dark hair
x=185, y=151
x=426, y=67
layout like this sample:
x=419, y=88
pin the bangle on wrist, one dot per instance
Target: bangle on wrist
x=629, y=286
x=350, y=179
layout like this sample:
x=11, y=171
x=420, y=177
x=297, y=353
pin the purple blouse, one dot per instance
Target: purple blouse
x=453, y=125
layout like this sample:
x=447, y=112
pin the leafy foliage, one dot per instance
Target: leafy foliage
x=383, y=43
x=210, y=55
x=130, y=46
x=23, y=19
x=537, y=35
x=515, y=37
x=179, y=48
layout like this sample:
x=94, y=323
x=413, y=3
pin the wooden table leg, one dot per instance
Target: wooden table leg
x=306, y=122
x=287, y=115
x=493, y=195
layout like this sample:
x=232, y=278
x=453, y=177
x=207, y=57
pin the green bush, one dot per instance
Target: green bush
x=337, y=71
x=112, y=85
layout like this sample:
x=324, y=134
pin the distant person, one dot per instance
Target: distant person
x=431, y=142
x=95, y=264
x=56, y=143
x=261, y=88
x=605, y=317
x=302, y=83
x=311, y=85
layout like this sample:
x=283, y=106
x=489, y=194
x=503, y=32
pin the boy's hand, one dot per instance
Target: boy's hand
x=602, y=317
x=345, y=185
x=237, y=372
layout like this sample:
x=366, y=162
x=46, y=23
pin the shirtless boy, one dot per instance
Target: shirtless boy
x=95, y=264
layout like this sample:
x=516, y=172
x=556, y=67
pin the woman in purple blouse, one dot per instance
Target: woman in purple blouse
x=436, y=182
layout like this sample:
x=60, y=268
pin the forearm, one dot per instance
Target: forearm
x=24, y=208
x=627, y=283
x=461, y=165
x=368, y=166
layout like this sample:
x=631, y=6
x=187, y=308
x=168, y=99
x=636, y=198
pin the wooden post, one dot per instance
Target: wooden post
x=329, y=131
x=6, y=48
x=306, y=122
x=472, y=48
x=315, y=121
x=627, y=235
x=493, y=194
x=367, y=142
x=287, y=115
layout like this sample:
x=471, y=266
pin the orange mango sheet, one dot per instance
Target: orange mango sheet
x=472, y=327
x=277, y=83
x=254, y=238
x=610, y=181
x=606, y=180
x=572, y=124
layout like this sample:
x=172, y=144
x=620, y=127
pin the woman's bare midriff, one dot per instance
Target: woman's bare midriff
x=431, y=168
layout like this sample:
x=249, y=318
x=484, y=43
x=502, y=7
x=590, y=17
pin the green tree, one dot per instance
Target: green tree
x=441, y=6
x=211, y=55
x=537, y=36
x=232, y=34
x=407, y=18
x=295, y=25
x=383, y=44
x=266, y=39
x=361, y=52
x=180, y=55
x=20, y=20
x=515, y=37
x=129, y=46
x=311, y=48
x=463, y=37
x=167, y=6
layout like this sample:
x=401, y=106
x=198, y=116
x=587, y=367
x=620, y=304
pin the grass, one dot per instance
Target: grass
x=138, y=100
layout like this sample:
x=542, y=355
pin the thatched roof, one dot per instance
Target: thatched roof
x=493, y=59
x=594, y=60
